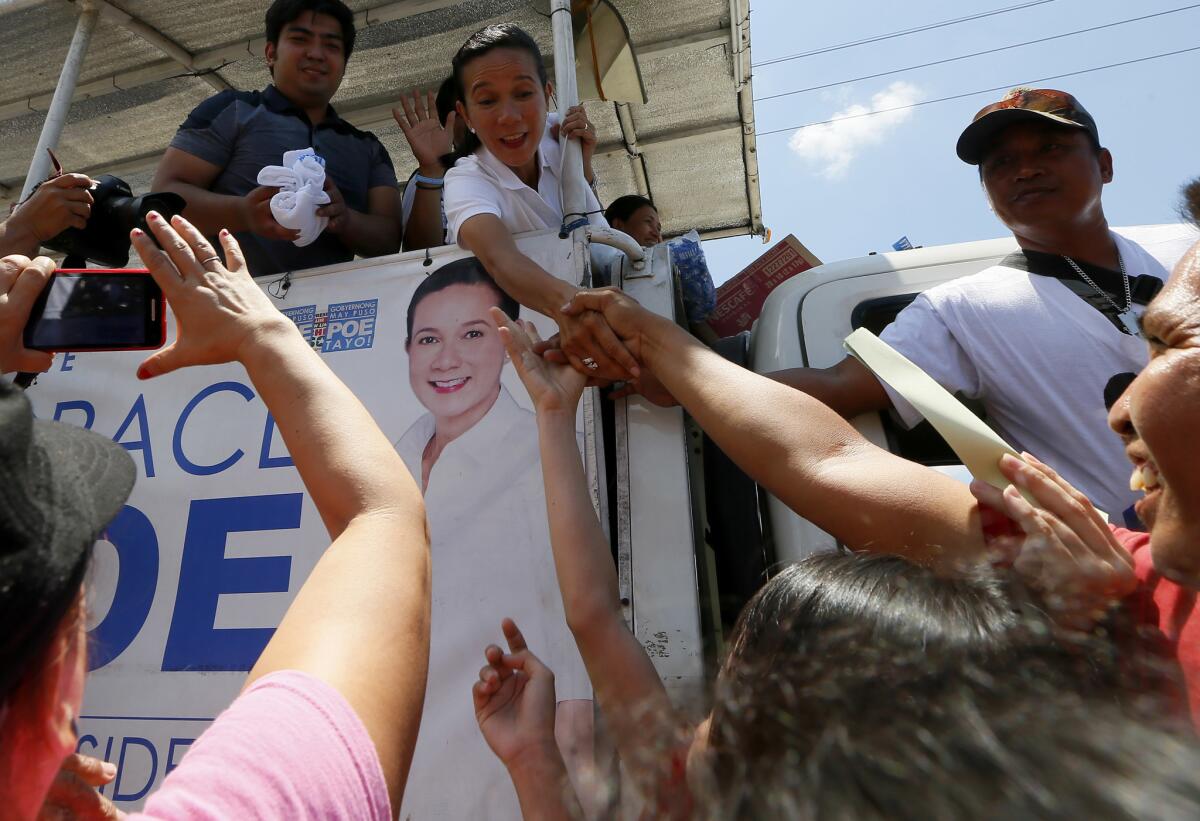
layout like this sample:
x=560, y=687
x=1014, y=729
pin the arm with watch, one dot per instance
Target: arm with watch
x=425, y=226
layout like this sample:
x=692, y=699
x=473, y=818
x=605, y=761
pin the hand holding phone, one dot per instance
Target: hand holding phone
x=98, y=310
x=21, y=280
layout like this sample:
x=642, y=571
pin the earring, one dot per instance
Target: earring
x=471, y=129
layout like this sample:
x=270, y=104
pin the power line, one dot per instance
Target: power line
x=981, y=91
x=974, y=54
x=903, y=33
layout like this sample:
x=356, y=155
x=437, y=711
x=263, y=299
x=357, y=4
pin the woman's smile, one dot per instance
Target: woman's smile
x=455, y=355
x=449, y=385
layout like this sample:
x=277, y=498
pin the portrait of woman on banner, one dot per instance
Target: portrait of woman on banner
x=475, y=455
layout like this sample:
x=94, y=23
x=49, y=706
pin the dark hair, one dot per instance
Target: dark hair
x=861, y=686
x=1190, y=206
x=282, y=12
x=622, y=208
x=468, y=271
x=499, y=35
x=869, y=730
x=31, y=632
x=886, y=595
x=447, y=96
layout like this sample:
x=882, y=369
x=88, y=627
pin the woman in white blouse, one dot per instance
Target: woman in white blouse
x=506, y=181
x=475, y=455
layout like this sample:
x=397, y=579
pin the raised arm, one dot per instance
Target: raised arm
x=361, y=620
x=514, y=705
x=428, y=140
x=799, y=449
x=584, y=336
x=627, y=687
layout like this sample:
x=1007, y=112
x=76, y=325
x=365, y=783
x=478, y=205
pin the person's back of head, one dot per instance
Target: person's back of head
x=866, y=686
x=865, y=733
x=59, y=486
x=1190, y=205
x=901, y=602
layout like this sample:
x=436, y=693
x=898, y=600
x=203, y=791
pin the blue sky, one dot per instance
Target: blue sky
x=857, y=186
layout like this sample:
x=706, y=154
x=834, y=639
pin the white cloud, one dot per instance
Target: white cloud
x=834, y=145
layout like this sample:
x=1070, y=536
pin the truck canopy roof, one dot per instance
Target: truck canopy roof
x=150, y=62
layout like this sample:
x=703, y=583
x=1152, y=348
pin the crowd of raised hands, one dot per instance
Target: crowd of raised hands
x=1058, y=547
x=834, y=628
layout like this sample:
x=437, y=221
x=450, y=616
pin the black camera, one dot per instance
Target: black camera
x=115, y=212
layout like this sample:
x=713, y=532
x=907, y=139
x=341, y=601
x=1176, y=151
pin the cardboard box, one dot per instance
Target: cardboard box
x=740, y=300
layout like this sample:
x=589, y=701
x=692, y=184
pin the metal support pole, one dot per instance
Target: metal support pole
x=637, y=161
x=566, y=88
x=60, y=105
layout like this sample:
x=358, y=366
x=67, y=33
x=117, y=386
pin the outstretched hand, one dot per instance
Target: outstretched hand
x=624, y=315
x=219, y=311
x=593, y=348
x=629, y=321
x=428, y=139
x=552, y=387
x=514, y=701
x=1065, y=550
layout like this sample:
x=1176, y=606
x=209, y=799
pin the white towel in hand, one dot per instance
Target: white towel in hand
x=300, y=180
x=298, y=210
x=276, y=176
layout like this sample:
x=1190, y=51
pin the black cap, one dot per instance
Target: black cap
x=59, y=487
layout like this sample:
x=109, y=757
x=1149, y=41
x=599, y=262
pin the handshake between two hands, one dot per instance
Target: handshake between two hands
x=603, y=336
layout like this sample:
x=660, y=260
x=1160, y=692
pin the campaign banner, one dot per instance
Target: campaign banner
x=195, y=573
x=740, y=300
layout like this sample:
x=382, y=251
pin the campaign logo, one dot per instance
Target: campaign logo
x=350, y=326
x=344, y=326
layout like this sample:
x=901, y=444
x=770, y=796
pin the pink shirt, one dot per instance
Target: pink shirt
x=288, y=747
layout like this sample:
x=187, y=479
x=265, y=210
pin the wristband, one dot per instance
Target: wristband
x=432, y=182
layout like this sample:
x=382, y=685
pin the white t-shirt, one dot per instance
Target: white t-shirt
x=1038, y=357
x=490, y=546
x=481, y=184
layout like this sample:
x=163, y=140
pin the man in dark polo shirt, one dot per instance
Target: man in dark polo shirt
x=215, y=157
